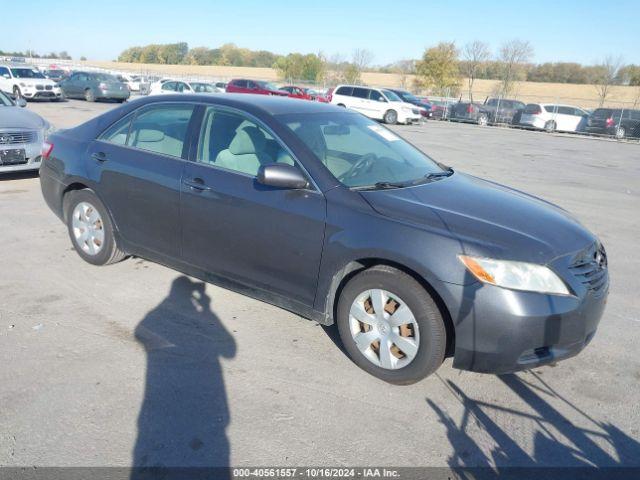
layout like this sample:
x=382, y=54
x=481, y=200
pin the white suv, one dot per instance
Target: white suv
x=25, y=81
x=376, y=103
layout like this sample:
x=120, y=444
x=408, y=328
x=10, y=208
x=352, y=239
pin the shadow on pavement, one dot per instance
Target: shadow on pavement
x=556, y=441
x=184, y=413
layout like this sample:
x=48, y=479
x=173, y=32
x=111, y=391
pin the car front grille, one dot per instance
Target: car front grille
x=39, y=87
x=590, y=267
x=13, y=138
x=48, y=87
x=415, y=111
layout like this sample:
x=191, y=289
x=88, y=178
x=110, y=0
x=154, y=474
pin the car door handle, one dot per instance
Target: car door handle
x=99, y=156
x=196, y=184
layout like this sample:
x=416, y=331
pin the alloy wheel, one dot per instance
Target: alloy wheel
x=384, y=329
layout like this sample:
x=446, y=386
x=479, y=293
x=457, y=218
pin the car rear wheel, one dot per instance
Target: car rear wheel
x=483, y=120
x=390, y=117
x=390, y=326
x=89, y=96
x=90, y=228
x=550, y=126
x=621, y=132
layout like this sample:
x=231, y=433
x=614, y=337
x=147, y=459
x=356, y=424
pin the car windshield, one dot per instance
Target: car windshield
x=103, y=77
x=26, y=73
x=359, y=152
x=267, y=86
x=392, y=97
x=406, y=96
x=5, y=101
x=202, y=87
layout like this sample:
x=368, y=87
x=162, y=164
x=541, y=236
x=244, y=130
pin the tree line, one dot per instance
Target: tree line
x=63, y=55
x=446, y=70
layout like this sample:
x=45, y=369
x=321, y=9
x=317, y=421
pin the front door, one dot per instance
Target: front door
x=235, y=227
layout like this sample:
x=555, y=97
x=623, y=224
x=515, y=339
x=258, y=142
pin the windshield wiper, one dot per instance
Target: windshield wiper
x=446, y=173
x=382, y=186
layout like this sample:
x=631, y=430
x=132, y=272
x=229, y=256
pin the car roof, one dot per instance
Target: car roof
x=271, y=105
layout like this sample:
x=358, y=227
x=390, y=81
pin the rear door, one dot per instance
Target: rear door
x=568, y=119
x=360, y=99
x=137, y=165
x=232, y=226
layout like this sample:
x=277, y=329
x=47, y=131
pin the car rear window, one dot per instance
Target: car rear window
x=602, y=113
x=533, y=108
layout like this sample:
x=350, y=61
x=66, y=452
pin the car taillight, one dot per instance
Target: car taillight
x=609, y=122
x=47, y=148
x=470, y=109
x=103, y=86
x=537, y=111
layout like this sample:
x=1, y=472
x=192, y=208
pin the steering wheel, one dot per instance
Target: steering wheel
x=364, y=161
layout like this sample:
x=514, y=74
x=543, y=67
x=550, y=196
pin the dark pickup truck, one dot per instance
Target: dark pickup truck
x=493, y=110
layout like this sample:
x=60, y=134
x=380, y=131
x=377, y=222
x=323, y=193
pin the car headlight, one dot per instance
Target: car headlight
x=515, y=275
x=48, y=131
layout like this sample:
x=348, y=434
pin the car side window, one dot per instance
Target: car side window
x=161, y=129
x=169, y=86
x=348, y=91
x=360, y=92
x=231, y=141
x=4, y=71
x=376, y=95
x=118, y=132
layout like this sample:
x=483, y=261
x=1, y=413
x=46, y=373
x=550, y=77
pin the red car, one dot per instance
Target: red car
x=303, y=93
x=259, y=87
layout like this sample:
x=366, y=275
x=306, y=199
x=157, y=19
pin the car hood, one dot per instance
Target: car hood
x=16, y=117
x=37, y=81
x=485, y=218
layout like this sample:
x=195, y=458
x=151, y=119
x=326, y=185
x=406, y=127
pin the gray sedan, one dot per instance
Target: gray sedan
x=93, y=86
x=21, y=136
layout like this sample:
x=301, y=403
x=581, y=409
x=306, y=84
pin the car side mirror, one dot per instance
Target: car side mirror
x=6, y=75
x=282, y=175
x=21, y=102
x=383, y=100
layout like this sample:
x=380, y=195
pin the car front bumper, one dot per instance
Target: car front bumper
x=500, y=331
x=33, y=93
x=32, y=153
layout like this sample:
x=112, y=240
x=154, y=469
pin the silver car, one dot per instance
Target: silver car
x=22, y=134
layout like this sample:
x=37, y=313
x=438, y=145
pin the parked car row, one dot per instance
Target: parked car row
x=551, y=117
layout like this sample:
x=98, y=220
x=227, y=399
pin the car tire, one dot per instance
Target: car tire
x=17, y=94
x=89, y=96
x=621, y=132
x=424, y=338
x=342, y=105
x=90, y=228
x=390, y=117
x=483, y=120
x=550, y=126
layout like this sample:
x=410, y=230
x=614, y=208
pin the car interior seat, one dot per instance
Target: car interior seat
x=246, y=151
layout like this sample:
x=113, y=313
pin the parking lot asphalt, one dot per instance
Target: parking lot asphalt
x=249, y=384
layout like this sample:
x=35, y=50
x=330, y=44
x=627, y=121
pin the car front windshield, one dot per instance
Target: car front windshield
x=5, y=101
x=392, y=97
x=359, y=152
x=26, y=73
x=407, y=97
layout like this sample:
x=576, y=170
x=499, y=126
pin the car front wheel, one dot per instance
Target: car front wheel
x=390, y=117
x=90, y=228
x=390, y=326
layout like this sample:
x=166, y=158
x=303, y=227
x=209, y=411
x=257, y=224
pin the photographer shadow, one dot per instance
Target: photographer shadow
x=183, y=417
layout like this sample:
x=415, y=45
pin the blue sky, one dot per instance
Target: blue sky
x=582, y=31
